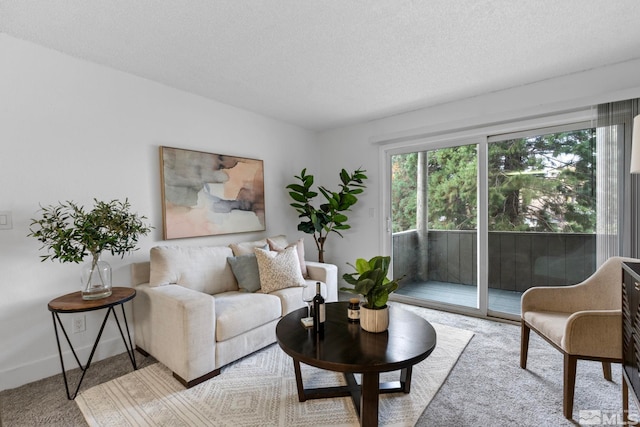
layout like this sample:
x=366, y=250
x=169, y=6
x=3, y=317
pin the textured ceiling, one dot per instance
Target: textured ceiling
x=324, y=64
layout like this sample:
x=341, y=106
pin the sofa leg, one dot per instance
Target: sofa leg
x=195, y=382
x=569, y=384
x=524, y=343
x=142, y=352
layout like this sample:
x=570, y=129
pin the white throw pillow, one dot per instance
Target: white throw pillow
x=245, y=248
x=278, y=270
x=299, y=245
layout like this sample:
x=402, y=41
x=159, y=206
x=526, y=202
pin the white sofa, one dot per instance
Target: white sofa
x=190, y=314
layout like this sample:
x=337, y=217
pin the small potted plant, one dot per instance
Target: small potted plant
x=370, y=280
x=70, y=234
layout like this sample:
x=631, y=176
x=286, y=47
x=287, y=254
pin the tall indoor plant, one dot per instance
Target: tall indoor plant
x=69, y=233
x=370, y=280
x=327, y=217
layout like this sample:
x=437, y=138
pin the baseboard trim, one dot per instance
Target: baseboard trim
x=50, y=365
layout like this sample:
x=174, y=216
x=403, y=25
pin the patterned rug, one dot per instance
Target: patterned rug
x=260, y=390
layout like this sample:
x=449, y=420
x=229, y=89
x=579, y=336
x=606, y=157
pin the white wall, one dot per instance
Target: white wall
x=362, y=145
x=72, y=130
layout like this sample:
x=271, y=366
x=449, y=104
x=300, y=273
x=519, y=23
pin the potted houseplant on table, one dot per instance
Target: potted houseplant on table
x=69, y=233
x=330, y=216
x=370, y=280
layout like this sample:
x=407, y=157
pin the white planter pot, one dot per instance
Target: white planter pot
x=374, y=320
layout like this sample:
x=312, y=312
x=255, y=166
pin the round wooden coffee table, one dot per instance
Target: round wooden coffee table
x=349, y=349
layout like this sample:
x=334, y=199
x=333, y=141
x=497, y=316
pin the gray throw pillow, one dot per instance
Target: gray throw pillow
x=245, y=268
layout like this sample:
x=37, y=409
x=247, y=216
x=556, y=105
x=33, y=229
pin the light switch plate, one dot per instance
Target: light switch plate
x=5, y=220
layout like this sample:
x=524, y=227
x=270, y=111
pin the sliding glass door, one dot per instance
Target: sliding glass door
x=434, y=220
x=474, y=225
x=541, y=212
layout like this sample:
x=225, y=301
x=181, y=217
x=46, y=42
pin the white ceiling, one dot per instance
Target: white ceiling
x=327, y=63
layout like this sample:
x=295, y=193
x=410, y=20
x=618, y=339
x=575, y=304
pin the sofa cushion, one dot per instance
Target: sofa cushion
x=239, y=312
x=299, y=245
x=290, y=298
x=201, y=268
x=278, y=270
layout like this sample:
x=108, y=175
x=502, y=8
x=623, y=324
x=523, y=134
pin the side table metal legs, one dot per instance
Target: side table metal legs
x=128, y=345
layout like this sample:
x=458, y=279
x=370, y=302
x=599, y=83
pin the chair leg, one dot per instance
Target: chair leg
x=606, y=370
x=569, y=384
x=625, y=402
x=524, y=343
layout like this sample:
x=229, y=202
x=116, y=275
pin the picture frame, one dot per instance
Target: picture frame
x=206, y=194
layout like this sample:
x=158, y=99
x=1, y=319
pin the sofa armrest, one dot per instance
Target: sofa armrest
x=327, y=273
x=595, y=333
x=176, y=325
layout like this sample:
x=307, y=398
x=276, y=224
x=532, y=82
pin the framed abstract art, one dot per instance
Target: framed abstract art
x=205, y=194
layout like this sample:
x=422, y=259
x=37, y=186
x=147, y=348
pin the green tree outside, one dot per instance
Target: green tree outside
x=544, y=183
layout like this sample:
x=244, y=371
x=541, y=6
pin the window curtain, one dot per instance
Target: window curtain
x=618, y=197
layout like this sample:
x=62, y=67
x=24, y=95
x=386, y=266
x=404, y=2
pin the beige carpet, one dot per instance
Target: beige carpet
x=260, y=390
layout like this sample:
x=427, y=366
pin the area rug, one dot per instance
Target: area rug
x=260, y=390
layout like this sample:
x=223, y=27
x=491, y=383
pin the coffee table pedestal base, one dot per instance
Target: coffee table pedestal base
x=364, y=395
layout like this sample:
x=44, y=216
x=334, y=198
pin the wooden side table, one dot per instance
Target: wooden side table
x=73, y=303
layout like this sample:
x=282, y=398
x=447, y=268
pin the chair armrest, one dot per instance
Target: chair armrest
x=327, y=273
x=600, y=291
x=596, y=333
x=176, y=325
x=567, y=299
x=563, y=299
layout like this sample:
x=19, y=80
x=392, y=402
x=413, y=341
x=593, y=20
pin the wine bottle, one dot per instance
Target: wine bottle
x=318, y=312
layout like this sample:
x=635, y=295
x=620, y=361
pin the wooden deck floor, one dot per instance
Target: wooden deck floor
x=464, y=295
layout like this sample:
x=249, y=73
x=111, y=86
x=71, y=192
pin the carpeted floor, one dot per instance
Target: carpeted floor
x=486, y=387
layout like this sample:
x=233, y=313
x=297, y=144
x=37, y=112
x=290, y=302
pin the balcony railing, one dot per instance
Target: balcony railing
x=517, y=260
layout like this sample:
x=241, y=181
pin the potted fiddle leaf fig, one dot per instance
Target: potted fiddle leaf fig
x=370, y=280
x=70, y=234
x=330, y=216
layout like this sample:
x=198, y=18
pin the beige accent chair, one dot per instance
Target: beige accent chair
x=582, y=321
